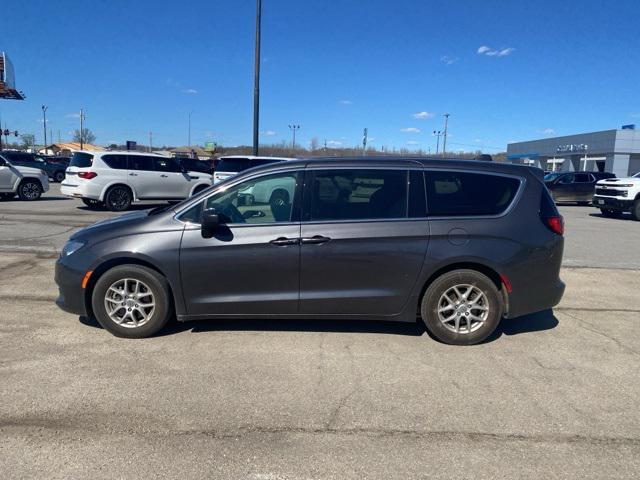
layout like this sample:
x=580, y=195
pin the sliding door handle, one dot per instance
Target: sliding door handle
x=316, y=239
x=285, y=241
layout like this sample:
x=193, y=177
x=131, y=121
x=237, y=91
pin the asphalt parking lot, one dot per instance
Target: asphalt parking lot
x=553, y=395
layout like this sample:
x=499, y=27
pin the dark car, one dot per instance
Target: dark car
x=574, y=186
x=54, y=170
x=459, y=244
x=196, y=165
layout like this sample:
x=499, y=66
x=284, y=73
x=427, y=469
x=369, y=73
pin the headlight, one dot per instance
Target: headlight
x=71, y=247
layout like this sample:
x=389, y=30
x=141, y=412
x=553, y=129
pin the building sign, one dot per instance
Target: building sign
x=573, y=147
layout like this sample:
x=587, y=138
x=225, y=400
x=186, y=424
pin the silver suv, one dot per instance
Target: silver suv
x=26, y=182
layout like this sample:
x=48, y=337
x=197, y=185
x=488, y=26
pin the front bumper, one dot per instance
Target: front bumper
x=612, y=203
x=71, y=295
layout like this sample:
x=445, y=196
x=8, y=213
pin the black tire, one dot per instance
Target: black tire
x=58, y=176
x=279, y=197
x=93, y=204
x=432, y=301
x=635, y=209
x=29, y=190
x=156, y=284
x=118, y=198
x=607, y=212
x=198, y=189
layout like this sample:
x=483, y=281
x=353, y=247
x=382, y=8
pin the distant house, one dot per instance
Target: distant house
x=66, y=149
x=200, y=153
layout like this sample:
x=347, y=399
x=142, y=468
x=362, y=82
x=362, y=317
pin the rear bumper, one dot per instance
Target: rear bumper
x=72, y=187
x=612, y=203
x=70, y=292
x=543, y=297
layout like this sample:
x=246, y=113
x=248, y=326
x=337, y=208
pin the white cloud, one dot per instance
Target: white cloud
x=635, y=115
x=410, y=130
x=413, y=142
x=190, y=91
x=549, y=131
x=334, y=143
x=269, y=133
x=500, y=52
x=345, y=102
x=423, y=115
x=72, y=115
x=447, y=60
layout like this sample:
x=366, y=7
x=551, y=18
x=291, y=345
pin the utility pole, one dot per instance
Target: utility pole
x=59, y=136
x=438, y=134
x=189, y=137
x=150, y=141
x=44, y=125
x=256, y=80
x=364, y=142
x=293, y=131
x=81, y=129
x=444, y=142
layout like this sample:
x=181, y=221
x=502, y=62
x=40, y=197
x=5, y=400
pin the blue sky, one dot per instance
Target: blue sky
x=504, y=70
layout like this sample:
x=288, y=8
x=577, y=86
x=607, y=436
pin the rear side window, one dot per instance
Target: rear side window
x=81, y=160
x=139, y=162
x=547, y=205
x=417, y=198
x=118, y=162
x=356, y=194
x=465, y=193
x=233, y=165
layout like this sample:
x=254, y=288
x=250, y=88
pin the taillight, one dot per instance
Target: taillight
x=87, y=175
x=555, y=224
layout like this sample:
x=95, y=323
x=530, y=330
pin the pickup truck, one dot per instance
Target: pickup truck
x=614, y=196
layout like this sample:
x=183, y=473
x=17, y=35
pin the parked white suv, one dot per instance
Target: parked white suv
x=26, y=182
x=231, y=165
x=616, y=195
x=116, y=179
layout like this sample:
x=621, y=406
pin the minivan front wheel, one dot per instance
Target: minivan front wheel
x=461, y=307
x=118, y=198
x=132, y=301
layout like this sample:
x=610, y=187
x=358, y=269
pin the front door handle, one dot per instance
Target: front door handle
x=316, y=239
x=133, y=174
x=285, y=241
x=164, y=176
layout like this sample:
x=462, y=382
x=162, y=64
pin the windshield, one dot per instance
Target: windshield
x=81, y=160
x=550, y=177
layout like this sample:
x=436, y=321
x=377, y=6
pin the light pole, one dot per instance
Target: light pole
x=444, y=141
x=293, y=131
x=256, y=79
x=44, y=126
x=586, y=150
x=438, y=134
x=189, y=137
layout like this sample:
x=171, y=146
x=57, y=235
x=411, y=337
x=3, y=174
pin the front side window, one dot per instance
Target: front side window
x=355, y=194
x=566, y=179
x=266, y=199
x=166, y=165
x=468, y=194
x=582, y=178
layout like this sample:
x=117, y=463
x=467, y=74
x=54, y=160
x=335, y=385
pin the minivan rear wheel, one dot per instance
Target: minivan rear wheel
x=118, y=198
x=132, y=301
x=461, y=307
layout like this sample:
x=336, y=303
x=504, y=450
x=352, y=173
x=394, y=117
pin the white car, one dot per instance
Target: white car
x=616, y=195
x=27, y=182
x=231, y=165
x=116, y=179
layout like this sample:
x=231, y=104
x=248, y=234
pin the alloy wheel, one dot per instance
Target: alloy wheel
x=129, y=302
x=463, y=308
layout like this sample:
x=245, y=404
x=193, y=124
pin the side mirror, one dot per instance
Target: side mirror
x=209, y=222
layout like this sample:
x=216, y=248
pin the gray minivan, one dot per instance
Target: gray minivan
x=458, y=244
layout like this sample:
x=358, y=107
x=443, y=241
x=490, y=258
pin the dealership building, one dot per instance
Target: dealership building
x=616, y=151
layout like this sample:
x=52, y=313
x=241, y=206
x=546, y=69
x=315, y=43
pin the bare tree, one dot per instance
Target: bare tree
x=28, y=140
x=313, y=145
x=87, y=136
